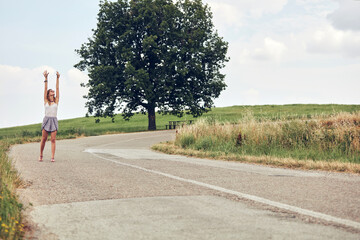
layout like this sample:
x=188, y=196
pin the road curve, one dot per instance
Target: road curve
x=115, y=187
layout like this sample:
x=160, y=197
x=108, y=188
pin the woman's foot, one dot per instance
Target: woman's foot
x=52, y=160
x=40, y=158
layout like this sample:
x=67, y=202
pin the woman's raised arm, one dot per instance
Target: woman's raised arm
x=46, y=81
x=57, y=88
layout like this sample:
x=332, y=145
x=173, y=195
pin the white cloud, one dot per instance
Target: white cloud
x=231, y=13
x=260, y=8
x=270, y=50
x=75, y=75
x=251, y=96
x=225, y=14
x=332, y=41
x=347, y=16
x=22, y=89
x=319, y=8
x=274, y=84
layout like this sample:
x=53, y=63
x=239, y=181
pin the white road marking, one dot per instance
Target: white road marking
x=129, y=140
x=235, y=166
x=243, y=195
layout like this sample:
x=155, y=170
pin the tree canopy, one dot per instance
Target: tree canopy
x=153, y=55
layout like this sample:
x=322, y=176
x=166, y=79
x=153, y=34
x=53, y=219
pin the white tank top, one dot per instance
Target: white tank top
x=51, y=110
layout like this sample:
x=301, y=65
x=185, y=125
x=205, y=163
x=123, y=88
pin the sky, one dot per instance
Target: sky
x=281, y=52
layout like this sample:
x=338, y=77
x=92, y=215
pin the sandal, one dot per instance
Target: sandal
x=40, y=158
x=52, y=160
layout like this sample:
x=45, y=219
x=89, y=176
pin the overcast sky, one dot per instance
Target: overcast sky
x=282, y=52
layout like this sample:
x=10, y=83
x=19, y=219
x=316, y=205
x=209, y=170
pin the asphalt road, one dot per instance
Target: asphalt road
x=115, y=187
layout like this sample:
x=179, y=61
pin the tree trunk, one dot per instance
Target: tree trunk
x=152, y=121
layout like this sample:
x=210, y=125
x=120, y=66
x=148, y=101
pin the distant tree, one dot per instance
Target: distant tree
x=148, y=55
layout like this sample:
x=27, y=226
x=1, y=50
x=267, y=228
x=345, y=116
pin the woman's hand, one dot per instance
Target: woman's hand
x=46, y=73
x=57, y=88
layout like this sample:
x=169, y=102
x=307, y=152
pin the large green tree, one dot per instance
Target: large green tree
x=148, y=55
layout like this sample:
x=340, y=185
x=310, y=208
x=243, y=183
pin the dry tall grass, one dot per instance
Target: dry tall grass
x=170, y=148
x=334, y=138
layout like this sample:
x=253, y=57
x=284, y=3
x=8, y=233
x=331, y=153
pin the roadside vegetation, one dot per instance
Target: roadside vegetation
x=328, y=142
x=300, y=136
x=11, y=226
x=86, y=126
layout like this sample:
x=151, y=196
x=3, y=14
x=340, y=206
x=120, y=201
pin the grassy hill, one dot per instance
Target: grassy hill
x=87, y=126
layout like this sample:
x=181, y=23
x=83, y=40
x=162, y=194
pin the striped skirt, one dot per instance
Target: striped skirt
x=50, y=124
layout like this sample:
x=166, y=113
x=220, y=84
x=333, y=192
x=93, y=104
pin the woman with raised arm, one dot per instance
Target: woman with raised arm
x=50, y=122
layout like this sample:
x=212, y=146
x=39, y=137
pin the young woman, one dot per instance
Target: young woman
x=50, y=122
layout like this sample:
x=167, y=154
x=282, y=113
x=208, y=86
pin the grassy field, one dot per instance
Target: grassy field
x=274, y=112
x=88, y=127
x=322, y=142
x=335, y=138
x=10, y=209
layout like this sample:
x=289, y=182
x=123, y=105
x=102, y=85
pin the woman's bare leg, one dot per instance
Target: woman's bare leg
x=43, y=141
x=53, y=138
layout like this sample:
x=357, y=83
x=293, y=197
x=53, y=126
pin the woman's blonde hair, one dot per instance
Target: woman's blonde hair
x=48, y=97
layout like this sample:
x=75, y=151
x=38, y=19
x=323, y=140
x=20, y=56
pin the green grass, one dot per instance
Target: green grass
x=274, y=112
x=88, y=127
x=10, y=208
